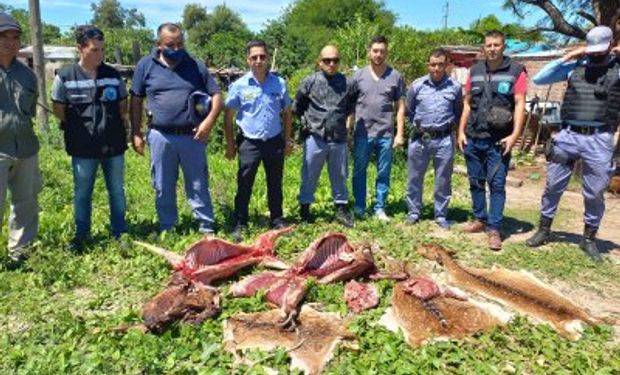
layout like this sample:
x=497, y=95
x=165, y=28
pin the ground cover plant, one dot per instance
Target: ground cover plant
x=58, y=313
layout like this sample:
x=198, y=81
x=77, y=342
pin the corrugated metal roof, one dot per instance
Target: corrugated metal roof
x=53, y=52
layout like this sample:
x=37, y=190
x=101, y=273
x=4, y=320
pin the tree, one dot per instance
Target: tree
x=111, y=15
x=570, y=18
x=512, y=30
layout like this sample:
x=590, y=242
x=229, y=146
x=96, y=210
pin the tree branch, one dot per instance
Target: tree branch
x=560, y=24
x=588, y=16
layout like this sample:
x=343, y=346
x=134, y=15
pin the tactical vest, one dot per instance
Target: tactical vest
x=593, y=94
x=500, y=83
x=93, y=127
x=331, y=101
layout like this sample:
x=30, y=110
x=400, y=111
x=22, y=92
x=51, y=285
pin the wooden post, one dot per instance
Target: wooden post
x=38, y=60
x=135, y=49
x=117, y=55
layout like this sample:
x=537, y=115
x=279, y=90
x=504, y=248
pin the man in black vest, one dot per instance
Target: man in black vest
x=589, y=121
x=90, y=99
x=493, y=114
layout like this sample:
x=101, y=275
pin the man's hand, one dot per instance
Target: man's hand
x=231, y=151
x=203, y=131
x=508, y=143
x=575, y=54
x=461, y=140
x=137, y=141
x=399, y=141
x=288, y=147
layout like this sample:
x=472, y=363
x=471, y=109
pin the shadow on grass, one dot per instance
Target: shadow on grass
x=604, y=246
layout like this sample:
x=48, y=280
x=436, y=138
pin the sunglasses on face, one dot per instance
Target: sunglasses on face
x=330, y=60
x=258, y=57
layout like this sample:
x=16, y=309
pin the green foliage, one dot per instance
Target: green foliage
x=352, y=40
x=110, y=14
x=51, y=33
x=124, y=39
x=512, y=30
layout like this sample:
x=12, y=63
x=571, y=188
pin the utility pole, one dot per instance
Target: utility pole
x=446, y=11
x=38, y=60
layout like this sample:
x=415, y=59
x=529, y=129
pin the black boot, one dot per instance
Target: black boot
x=343, y=216
x=543, y=233
x=588, y=243
x=306, y=215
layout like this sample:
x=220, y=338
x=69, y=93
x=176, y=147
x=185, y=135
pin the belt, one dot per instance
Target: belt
x=587, y=130
x=430, y=134
x=175, y=130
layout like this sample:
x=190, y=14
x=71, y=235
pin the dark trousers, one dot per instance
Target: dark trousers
x=251, y=152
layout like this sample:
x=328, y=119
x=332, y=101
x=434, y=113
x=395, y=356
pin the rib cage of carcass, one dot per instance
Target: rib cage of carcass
x=328, y=259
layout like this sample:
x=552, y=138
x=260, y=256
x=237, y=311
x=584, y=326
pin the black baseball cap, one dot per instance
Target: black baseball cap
x=8, y=23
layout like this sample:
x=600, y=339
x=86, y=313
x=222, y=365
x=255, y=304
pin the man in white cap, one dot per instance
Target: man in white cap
x=590, y=115
x=19, y=168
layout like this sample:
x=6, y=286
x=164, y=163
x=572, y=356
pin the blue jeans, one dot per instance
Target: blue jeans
x=84, y=173
x=363, y=148
x=486, y=165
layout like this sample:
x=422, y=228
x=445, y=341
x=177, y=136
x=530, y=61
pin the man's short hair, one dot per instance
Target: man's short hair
x=378, y=39
x=438, y=52
x=84, y=33
x=495, y=34
x=169, y=26
x=255, y=43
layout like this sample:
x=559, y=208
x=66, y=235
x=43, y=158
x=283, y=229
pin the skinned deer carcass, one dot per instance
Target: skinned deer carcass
x=212, y=259
x=360, y=296
x=330, y=258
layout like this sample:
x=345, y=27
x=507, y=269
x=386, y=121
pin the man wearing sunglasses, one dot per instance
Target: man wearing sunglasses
x=381, y=93
x=323, y=101
x=259, y=99
x=19, y=167
x=90, y=99
x=170, y=78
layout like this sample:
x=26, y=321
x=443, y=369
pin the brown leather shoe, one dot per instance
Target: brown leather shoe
x=495, y=240
x=475, y=226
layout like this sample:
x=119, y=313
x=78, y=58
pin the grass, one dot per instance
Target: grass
x=58, y=313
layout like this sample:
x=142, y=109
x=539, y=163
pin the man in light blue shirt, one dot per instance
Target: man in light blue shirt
x=255, y=103
x=434, y=103
x=590, y=114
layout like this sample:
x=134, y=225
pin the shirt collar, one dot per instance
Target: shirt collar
x=428, y=79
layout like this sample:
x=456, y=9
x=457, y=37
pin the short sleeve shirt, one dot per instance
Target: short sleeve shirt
x=374, y=110
x=168, y=89
x=434, y=105
x=258, y=105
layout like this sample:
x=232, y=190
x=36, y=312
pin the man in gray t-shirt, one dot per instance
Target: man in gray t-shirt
x=381, y=93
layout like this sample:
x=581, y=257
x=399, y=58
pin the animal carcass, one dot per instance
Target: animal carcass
x=212, y=259
x=360, y=296
x=328, y=259
x=520, y=290
x=311, y=344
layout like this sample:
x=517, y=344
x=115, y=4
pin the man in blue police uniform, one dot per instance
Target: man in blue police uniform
x=434, y=104
x=90, y=99
x=590, y=115
x=381, y=94
x=493, y=116
x=258, y=99
x=323, y=101
x=19, y=147
x=177, y=88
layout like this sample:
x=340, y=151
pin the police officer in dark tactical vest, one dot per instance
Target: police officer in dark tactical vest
x=590, y=115
x=90, y=99
x=493, y=116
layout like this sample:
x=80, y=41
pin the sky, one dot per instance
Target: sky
x=420, y=14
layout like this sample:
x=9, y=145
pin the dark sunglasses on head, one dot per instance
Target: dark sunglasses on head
x=329, y=60
x=257, y=57
x=92, y=33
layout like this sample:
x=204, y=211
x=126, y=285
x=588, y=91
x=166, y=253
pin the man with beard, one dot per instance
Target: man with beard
x=381, y=92
x=323, y=101
x=492, y=119
x=434, y=104
x=589, y=120
x=178, y=89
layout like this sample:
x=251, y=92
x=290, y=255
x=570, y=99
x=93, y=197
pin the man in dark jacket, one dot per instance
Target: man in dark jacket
x=323, y=101
x=589, y=120
x=90, y=99
x=493, y=116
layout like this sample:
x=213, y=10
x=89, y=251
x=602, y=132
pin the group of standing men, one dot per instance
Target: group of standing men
x=184, y=101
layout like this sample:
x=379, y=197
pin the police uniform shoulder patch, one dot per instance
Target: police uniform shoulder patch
x=503, y=87
x=110, y=93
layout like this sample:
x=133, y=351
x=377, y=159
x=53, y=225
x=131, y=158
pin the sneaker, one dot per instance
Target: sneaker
x=206, y=229
x=476, y=226
x=343, y=216
x=495, y=240
x=381, y=215
x=443, y=222
x=78, y=243
x=278, y=223
x=359, y=212
x=411, y=220
x=305, y=213
x=16, y=260
x=237, y=233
